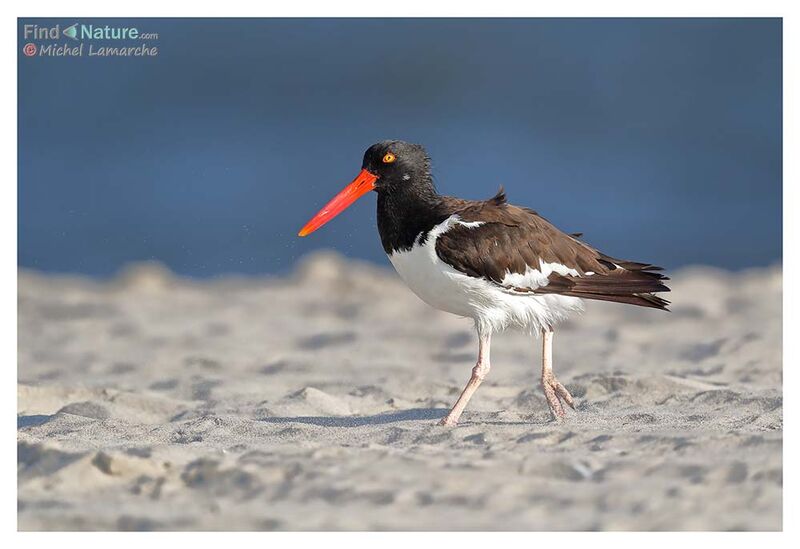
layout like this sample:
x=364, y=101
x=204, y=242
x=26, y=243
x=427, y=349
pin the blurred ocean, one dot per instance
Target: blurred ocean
x=660, y=140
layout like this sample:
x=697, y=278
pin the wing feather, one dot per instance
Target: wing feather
x=508, y=240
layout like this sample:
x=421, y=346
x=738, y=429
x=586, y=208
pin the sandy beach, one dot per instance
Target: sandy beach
x=309, y=402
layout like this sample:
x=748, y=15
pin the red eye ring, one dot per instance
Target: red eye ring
x=388, y=158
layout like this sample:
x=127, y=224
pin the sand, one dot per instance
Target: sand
x=153, y=402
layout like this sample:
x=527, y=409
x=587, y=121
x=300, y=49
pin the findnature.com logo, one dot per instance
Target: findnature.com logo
x=83, y=35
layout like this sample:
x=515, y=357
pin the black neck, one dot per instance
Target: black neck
x=407, y=210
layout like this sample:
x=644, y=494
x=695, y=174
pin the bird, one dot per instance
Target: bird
x=501, y=265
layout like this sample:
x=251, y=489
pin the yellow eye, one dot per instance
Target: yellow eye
x=389, y=158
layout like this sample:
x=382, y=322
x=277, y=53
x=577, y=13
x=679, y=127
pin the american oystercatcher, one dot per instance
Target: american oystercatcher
x=498, y=264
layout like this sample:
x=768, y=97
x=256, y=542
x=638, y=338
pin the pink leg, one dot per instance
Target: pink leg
x=554, y=392
x=478, y=374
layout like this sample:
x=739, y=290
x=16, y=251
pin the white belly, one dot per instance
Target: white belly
x=492, y=307
x=435, y=282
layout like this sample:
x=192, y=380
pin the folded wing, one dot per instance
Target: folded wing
x=521, y=252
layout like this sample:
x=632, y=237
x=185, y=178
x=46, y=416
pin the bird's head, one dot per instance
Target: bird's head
x=388, y=167
x=396, y=164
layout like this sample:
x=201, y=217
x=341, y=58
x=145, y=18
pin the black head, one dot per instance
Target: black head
x=397, y=165
x=398, y=171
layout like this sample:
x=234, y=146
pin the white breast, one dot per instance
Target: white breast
x=492, y=306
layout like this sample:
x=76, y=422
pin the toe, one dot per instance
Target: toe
x=564, y=394
x=552, y=400
x=558, y=411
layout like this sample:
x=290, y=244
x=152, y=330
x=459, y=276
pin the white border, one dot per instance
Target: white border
x=401, y=8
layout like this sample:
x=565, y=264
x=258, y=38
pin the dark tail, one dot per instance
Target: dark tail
x=625, y=282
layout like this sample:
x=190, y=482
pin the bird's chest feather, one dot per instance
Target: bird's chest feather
x=433, y=280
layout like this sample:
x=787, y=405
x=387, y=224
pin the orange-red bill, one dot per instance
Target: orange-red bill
x=361, y=185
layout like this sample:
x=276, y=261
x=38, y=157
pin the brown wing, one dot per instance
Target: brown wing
x=511, y=239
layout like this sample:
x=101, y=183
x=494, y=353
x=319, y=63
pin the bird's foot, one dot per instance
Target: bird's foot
x=448, y=421
x=555, y=392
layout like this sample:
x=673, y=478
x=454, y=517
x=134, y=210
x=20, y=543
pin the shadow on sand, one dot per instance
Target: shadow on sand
x=31, y=421
x=416, y=414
